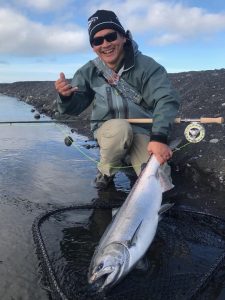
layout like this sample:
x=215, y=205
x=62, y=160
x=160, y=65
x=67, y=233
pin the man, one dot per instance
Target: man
x=121, y=83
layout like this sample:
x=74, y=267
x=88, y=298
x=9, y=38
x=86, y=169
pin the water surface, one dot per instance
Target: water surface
x=38, y=172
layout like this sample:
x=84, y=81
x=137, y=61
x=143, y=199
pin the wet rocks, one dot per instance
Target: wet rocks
x=68, y=141
x=37, y=116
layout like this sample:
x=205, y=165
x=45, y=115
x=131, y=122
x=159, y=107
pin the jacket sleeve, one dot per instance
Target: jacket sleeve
x=78, y=101
x=164, y=101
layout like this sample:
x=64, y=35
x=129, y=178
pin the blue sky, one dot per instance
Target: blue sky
x=41, y=38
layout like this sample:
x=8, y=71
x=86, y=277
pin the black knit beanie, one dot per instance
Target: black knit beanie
x=103, y=19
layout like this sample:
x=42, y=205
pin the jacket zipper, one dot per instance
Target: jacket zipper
x=110, y=102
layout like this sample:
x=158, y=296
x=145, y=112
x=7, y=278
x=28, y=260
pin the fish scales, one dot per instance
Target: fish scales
x=131, y=231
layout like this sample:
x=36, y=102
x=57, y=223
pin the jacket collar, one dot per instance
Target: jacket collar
x=129, y=56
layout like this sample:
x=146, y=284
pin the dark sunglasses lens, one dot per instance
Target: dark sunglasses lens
x=98, y=41
x=111, y=37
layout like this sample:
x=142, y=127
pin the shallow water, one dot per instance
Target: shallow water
x=38, y=172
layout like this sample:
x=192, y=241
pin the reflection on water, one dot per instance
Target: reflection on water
x=37, y=173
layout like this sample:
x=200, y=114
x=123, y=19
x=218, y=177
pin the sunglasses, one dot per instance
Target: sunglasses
x=110, y=37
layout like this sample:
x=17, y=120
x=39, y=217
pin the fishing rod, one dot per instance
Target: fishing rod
x=204, y=120
x=194, y=132
x=36, y=122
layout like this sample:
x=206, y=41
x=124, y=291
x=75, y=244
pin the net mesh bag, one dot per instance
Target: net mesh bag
x=186, y=258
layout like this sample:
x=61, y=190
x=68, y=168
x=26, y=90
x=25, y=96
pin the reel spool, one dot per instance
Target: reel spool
x=194, y=132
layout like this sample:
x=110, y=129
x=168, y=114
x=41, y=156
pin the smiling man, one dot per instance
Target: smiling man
x=108, y=45
x=121, y=83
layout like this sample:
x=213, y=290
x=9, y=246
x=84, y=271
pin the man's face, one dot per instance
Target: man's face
x=110, y=52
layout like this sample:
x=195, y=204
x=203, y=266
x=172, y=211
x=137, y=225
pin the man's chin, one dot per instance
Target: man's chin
x=109, y=61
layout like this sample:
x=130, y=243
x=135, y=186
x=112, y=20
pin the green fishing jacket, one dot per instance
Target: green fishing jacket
x=159, y=99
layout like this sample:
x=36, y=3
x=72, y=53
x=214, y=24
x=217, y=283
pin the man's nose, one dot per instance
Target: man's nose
x=105, y=43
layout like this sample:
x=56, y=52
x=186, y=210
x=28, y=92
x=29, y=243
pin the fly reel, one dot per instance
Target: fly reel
x=194, y=132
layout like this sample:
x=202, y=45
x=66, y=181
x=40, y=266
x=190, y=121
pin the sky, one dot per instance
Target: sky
x=41, y=38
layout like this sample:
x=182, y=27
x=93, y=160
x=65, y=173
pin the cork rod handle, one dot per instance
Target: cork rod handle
x=218, y=120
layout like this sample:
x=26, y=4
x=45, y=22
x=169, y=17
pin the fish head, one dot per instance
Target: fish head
x=108, y=266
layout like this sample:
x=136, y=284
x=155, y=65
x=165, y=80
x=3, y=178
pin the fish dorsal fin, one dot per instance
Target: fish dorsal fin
x=132, y=241
x=165, y=207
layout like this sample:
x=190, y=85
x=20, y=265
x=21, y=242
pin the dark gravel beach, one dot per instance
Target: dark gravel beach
x=202, y=94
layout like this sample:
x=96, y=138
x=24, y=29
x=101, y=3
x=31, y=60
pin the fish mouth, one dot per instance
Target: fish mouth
x=104, y=273
x=102, y=280
x=98, y=286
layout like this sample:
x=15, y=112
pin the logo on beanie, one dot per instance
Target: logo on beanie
x=92, y=20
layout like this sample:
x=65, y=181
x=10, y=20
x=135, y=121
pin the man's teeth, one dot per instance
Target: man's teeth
x=108, y=51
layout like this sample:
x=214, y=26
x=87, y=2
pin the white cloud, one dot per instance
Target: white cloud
x=184, y=20
x=26, y=70
x=165, y=22
x=176, y=22
x=160, y=22
x=166, y=39
x=19, y=35
x=43, y=5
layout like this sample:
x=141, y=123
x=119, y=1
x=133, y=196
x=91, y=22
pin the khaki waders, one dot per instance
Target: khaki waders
x=117, y=140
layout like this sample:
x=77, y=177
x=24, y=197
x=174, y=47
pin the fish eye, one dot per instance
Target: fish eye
x=100, y=266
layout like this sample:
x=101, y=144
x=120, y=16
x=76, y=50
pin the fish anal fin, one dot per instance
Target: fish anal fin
x=143, y=264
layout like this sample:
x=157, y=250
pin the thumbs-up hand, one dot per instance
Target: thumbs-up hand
x=63, y=87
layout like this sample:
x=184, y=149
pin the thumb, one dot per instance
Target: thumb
x=62, y=76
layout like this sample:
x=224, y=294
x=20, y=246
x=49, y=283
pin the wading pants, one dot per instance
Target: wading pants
x=117, y=140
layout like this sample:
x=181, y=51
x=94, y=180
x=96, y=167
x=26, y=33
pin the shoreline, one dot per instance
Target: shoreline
x=202, y=94
x=42, y=96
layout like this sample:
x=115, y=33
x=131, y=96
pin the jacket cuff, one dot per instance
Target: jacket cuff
x=161, y=138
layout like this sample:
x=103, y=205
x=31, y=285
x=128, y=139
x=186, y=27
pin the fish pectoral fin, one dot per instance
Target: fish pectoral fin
x=165, y=207
x=143, y=264
x=115, y=211
x=132, y=241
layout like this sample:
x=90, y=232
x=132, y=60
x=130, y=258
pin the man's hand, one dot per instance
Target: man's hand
x=63, y=87
x=160, y=150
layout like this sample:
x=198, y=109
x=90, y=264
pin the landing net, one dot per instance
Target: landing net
x=187, y=257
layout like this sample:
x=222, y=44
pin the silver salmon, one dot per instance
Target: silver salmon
x=132, y=230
